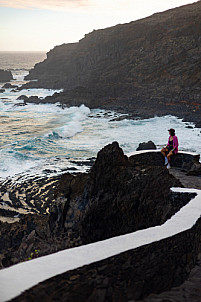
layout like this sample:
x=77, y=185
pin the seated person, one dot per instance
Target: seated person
x=171, y=147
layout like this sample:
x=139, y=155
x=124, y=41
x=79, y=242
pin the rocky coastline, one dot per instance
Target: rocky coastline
x=115, y=197
x=144, y=68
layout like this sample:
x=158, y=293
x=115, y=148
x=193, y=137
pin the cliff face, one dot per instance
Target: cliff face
x=154, y=58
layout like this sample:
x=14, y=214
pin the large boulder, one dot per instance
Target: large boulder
x=115, y=198
x=146, y=146
x=22, y=97
x=5, y=75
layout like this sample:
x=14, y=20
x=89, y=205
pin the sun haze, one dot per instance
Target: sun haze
x=42, y=24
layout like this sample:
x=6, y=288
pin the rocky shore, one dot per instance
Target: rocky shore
x=144, y=68
x=117, y=196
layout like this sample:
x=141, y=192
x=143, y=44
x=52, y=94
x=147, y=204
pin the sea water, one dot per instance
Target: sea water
x=41, y=139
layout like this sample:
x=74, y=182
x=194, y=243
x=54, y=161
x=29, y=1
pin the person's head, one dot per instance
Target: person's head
x=171, y=131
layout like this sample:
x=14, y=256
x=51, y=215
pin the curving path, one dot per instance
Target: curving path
x=18, y=278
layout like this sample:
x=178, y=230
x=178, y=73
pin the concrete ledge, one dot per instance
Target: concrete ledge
x=186, y=161
x=121, y=268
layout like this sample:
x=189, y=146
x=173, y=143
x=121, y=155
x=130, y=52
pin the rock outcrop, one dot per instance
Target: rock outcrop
x=119, y=195
x=5, y=75
x=8, y=85
x=114, y=198
x=146, y=146
x=146, y=67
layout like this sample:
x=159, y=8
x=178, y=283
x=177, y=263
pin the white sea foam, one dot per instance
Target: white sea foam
x=45, y=131
x=32, y=136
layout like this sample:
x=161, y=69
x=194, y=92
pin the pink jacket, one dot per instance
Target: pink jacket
x=175, y=143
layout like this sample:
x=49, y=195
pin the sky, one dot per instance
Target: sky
x=39, y=25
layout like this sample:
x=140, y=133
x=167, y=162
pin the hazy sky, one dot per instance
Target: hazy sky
x=42, y=24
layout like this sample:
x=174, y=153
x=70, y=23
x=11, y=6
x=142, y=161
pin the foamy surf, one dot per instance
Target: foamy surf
x=41, y=139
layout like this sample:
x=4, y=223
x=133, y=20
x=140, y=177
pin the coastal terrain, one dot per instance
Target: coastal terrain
x=146, y=68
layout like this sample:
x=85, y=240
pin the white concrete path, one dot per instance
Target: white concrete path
x=18, y=278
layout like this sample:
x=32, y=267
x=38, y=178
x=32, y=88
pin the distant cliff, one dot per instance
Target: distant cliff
x=153, y=61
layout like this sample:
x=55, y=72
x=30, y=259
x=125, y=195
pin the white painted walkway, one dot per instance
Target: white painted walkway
x=18, y=278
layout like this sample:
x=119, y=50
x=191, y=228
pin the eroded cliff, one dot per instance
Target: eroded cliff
x=153, y=63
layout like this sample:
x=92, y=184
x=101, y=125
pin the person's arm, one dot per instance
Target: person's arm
x=175, y=143
x=168, y=142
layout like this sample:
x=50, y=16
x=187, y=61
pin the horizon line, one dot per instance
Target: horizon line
x=24, y=50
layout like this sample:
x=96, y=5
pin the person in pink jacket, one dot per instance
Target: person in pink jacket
x=171, y=147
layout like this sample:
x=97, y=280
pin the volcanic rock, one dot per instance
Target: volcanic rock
x=146, y=146
x=23, y=97
x=119, y=195
x=8, y=85
x=5, y=75
x=33, y=99
x=146, y=67
x=116, y=197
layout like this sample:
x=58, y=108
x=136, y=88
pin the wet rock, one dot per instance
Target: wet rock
x=146, y=146
x=2, y=90
x=189, y=127
x=120, y=118
x=23, y=97
x=8, y=85
x=33, y=99
x=20, y=104
x=5, y=75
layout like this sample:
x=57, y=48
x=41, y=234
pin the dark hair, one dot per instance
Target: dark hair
x=172, y=131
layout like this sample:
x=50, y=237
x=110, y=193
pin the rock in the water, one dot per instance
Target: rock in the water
x=5, y=75
x=34, y=99
x=2, y=90
x=146, y=146
x=23, y=97
x=31, y=99
x=8, y=85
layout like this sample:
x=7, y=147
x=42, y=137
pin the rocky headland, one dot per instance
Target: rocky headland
x=119, y=195
x=145, y=68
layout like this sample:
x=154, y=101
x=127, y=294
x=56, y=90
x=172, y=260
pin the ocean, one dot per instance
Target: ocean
x=39, y=142
x=37, y=138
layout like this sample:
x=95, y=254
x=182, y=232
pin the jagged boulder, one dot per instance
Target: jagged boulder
x=22, y=97
x=146, y=146
x=8, y=85
x=116, y=197
x=5, y=75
